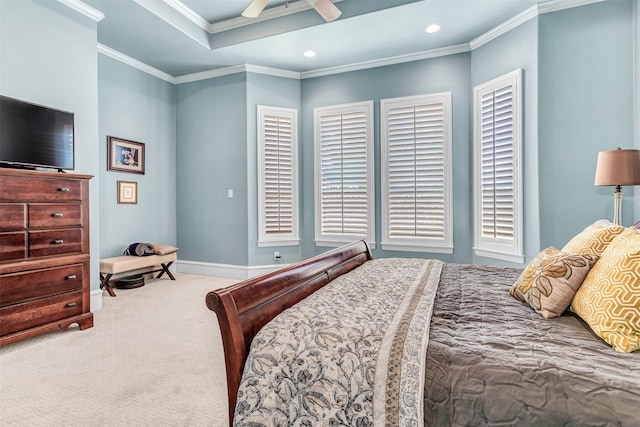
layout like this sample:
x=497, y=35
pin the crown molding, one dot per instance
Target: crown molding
x=119, y=56
x=433, y=53
x=189, y=14
x=521, y=18
x=277, y=72
x=84, y=9
x=555, y=5
x=209, y=74
x=504, y=28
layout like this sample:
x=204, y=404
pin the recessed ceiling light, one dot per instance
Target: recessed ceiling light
x=309, y=54
x=433, y=28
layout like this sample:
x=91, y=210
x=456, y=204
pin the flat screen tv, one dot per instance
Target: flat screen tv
x=34, y=136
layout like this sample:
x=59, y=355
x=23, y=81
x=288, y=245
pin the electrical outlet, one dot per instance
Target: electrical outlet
x=276, y=256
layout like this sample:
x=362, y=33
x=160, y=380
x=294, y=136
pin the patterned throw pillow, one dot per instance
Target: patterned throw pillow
x=609, y=299
x=551, y=279
x=594, y=239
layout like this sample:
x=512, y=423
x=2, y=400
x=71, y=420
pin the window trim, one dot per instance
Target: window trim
x=293, y=238
x=444, y=245
x=337, y=240
x=494, y=247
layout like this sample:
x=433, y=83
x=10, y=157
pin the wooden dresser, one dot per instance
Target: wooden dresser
x=44, y=253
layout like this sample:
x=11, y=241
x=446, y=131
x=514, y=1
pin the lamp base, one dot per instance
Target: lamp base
x=617, y=206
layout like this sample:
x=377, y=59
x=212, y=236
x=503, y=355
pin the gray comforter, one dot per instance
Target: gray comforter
x=492, y=360
x=411, y=342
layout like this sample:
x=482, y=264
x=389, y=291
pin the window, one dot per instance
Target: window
x=278, y=177
x=497, y=157
x=344, y=185
x=416, y=173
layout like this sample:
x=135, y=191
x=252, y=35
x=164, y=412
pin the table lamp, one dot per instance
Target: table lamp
x=618, y=167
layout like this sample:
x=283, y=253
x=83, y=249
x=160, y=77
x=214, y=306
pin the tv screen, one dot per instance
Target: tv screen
x=35, y=136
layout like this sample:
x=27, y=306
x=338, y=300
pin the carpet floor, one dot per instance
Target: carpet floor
x=153, y=358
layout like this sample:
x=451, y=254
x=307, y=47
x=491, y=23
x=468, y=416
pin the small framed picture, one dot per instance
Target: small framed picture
x=125, y=155
x=127, y=192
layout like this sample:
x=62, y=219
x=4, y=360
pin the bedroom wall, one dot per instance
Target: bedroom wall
x=275, y=92
x=516, y=49
x=211, y=142
x=585, y=106
x=136, y=106
x=48, y=56
x=636, y=101
x=450, y=73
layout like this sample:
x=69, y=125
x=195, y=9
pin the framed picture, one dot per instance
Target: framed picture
x=125, y=155
x=127, y=192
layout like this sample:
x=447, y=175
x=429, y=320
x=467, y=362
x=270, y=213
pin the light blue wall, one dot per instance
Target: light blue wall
x=275, y=92
x=211, y=159
x=517, y=49
x=137, y=106
x=636, y=101
x=585, y=106
x=48, y=56
x=445, y=74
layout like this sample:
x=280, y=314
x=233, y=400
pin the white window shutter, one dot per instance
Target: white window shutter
x=277, y=152
x=498, y=199
x=344, y=173
x=416, y=165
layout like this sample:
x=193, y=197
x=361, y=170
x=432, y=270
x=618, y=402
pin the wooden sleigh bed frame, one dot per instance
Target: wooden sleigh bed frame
x=244, y=308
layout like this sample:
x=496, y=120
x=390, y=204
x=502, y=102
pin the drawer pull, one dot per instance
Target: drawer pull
x=71, y=304
x=72, y=277
x=64, y=189
x=58, y=215
x=58, y=242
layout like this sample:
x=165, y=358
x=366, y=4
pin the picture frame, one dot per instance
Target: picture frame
x=125, y=155
x=127, y=192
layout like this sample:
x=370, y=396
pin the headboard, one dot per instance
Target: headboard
x=244, y=308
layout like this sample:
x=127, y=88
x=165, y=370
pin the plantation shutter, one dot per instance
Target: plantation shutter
x=497, y=163
x=278, y=184
x=345, y=185
x=498, y=175
x=416, y=143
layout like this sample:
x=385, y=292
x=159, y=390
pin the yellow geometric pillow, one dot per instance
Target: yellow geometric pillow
x=594, y=239
x=609, y=298
x=551, y=279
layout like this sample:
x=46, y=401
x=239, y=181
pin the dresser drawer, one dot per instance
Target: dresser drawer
x=13, y=216
x=39, y=189
x=13, y=245
x=55, y=214
x=18, y=317
x=55, y=242
x=21, y=287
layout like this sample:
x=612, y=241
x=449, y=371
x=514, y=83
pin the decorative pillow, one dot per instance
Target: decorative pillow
x=139, y=249
x=551, y=279
x=609, y=299
x=162, y=249
x=594, y=239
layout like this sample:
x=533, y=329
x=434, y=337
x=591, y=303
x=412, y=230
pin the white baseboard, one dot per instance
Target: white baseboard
x=96, y=299
x=228, y=271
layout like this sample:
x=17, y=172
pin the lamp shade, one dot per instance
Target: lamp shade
x=618, y=167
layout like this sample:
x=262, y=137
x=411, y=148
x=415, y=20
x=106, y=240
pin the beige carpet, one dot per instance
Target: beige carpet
x=153, y=358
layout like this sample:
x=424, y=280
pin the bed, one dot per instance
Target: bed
x=343, y=339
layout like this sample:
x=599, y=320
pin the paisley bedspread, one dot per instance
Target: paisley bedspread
x=352, y=353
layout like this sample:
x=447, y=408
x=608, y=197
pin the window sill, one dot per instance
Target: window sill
x=414, y=248
x=499, y=255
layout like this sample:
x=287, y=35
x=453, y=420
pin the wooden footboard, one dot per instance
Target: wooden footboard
x=244, y=308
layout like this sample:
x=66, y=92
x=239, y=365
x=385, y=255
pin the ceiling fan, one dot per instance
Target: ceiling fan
x=324, y=7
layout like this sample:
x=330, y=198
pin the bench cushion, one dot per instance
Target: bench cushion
x=121, y=264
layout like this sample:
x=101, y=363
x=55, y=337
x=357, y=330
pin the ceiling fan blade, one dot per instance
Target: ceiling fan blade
x=254, y=8
x=326, y=9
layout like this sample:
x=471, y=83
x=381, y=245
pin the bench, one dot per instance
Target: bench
x=127, y=266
